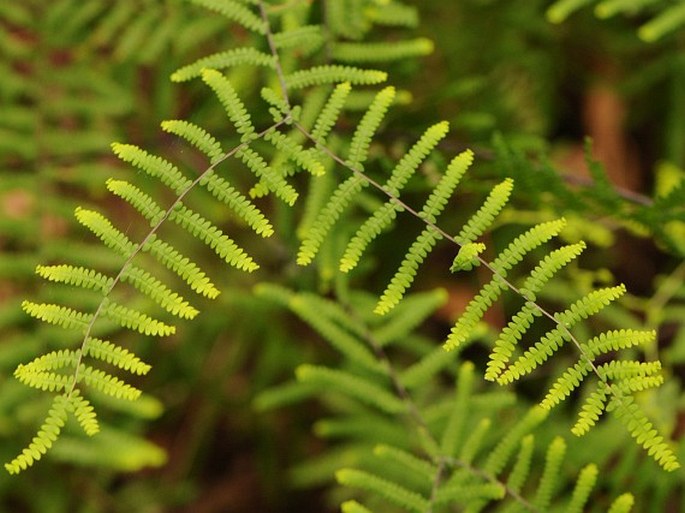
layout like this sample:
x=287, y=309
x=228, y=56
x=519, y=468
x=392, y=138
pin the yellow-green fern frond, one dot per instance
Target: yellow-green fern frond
x=238, y=203
x=84, y=413
x=353, y=507
x=306, y=159
x=268, y=176
x=182, y=266
x=196, y=136
x=468, y=493
x=153, y=165
x=553, y=339
x=136, y=321
x=158, y=292
x=105, y=231
x=584, y=485
x=222, y=60
x=46, y=436
x=107, y=384
x=485, y=215
x=550, y=474
x=467, y=257
x=232, y=104
x=384, y=215
x=591, y=411
x=456, y=422
x=474, y=442
x=58, y=315
x=437, y=201
x=519, y=473
x=393, y=492
x=142, y=202
x=76, y=276
x=118, y=356
x=306, y=39
x=53, y=360
x=42, y=380
x=641, y=429
x=235, y=11
x=332, y=74
x=330, y=112
x=491, y=291
x=393, y=14
x=351, y=385
x=382, y=52
x=622, y=504
x=211, y=235
x=421, y=468
x=521, y=322
x=368, y=126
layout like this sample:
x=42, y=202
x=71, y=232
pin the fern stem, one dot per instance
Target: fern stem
x=277, y=61
x=146, y=239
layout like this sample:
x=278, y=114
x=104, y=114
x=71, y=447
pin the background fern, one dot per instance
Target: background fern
x=222, y=346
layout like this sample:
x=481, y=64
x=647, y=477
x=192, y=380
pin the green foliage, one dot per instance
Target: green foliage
x=418, y=429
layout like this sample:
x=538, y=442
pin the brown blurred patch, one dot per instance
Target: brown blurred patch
x=17, y=204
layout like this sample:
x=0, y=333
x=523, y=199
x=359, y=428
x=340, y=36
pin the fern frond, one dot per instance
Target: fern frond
x=142, y=202
x=491, y=291
x=467, y=257
x=625, y=369
x=42, y=380
x=331, y=74
x=519, y=473
x=196, y=136
x=182, y=266
x=409, y=314
x=353, y=507
x=211, y=235
x=84, y=413
x=591, y=411
x=136, y=321
x=616, y=340
x=451, y=436
x=384, y=215
x=367, y=127
x=118, y=356
x=524, y=318
x=382, y=52
x=235, y=11
x=550, y=474
x=485, y=215
x=238, y=203
x=330, y=112
x=222, y=60
x=46, y=436
x=158, y=292
x=232, y=104
x=474, y=442
x=565, y=384
x=76, y=276
x=53, y=360
x=622, y=504
x=584, y=485
x=465, y=493
x=58, y=315
x=553, y=339
x=153, y=165
x=641, y=429
x=306, y=38
x=391, y=491
x=437, y=201
x=105, y=231
x=268, y=176
x=306, y=159
x=351, y=385
x=107, y=384
x=330, y=213
x=393, y=14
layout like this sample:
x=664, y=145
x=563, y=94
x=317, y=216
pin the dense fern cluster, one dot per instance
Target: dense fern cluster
x=410, y=442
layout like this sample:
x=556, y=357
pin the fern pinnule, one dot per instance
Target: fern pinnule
x=384, y=215
x=211, y=235
x=142, y=202
x=84, y=413
x=354, y=507
x=474, y=442
x=53, y=360
x=550, y=474
x=305, y=39
x=76, y=276
x=196, y=136
x=421, y=468
x=367, y=127
x=451, y=439
x=116, y=355
x=46, y=436
x=43, y=380
x=268, y=176
x=393, y=492
x=332, y=74
x=440, y=195
x=135, y=320
x=232, y=104
x=349, y=52
x=235, y=11
x=581, y=491
x=622, y=504
x=519, y=473
x=238, y=203
x=153, y=165
x=305, y=159
x=147, y=284
x=222, y=60
x=393, y=14
x=566, y=383
x=352, y=385
x=63, y=316
x=467, y=257
x=107, y=384
x=484, y=217
x=470, y=494
x=591, y=411
x=105, y=231
x=330, y=112
x=182, y=266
